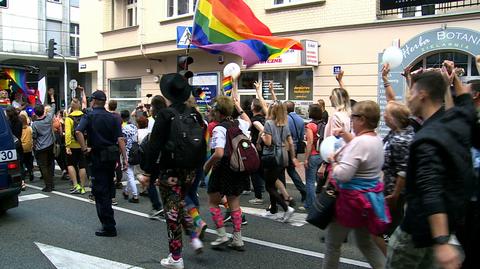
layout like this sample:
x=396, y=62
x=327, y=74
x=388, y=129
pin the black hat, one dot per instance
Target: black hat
x=175, y=88
x=99, y=95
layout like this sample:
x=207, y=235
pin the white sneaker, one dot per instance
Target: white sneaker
x=270, y=215
x=197, y=245
x=256, y=201
x=288, y=214
x=169, y=262
x=222, y=238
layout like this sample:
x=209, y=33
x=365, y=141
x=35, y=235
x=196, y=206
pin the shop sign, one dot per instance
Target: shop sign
x=310, y=52
x=393, y=4
x=290, y=57
x=208, y=83
x=441, y=39
x=454, y=38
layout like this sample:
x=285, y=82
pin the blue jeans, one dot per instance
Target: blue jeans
x=153, y=195
x=314, y=163
x=191, y=197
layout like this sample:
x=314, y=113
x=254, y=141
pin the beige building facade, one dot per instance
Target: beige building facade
x=128, y=44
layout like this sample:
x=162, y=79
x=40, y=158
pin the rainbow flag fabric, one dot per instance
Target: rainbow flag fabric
x=227, y=86
x=230, y=26
x=19, y=77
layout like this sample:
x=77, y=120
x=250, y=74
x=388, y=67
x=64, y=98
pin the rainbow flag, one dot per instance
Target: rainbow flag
x=19, y=77
x=230, y=26
x=227, y=86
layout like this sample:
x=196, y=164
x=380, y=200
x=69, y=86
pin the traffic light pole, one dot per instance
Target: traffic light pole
x=64, y=80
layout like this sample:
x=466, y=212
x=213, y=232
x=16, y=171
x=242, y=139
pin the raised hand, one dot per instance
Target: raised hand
x=339, y=76
x=385, y=72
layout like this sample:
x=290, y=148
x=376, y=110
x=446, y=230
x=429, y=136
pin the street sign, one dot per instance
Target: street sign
x=337, y=69
x=184, y=35
x=73, y=84
x=3, y=3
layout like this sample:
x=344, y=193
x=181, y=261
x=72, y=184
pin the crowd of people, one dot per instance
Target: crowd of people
x=404, y=197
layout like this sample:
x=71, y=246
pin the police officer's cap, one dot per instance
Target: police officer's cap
x=99, y=95
x=175, y=88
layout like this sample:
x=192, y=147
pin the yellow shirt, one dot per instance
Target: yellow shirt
x=70, y=140
x=27, y=140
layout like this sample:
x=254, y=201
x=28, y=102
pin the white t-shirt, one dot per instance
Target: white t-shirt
x=151, y=122
x=142, y=133
x=219, y=134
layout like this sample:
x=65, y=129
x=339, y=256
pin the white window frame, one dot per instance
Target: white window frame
x=191, y=7
x=131, y=6
x=76, y=37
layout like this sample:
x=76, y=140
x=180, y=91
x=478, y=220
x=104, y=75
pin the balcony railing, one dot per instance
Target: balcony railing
x=430, y=9
x=34, y=48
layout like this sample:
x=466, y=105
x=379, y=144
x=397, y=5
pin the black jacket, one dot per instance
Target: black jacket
x=439, y=170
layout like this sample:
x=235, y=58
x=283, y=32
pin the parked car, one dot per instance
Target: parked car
x=10, y=173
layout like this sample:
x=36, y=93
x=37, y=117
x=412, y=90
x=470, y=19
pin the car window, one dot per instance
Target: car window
x=3, y=121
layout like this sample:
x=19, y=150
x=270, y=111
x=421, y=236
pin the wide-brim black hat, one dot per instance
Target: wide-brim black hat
x=175, y=88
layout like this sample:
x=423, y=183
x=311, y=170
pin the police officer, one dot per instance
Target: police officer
x=106, y=142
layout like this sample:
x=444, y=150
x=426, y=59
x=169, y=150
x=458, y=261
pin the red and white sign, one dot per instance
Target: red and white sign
x=310, y=53
x=290, y=57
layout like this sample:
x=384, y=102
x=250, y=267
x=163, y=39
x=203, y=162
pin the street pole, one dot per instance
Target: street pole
x=64, y=81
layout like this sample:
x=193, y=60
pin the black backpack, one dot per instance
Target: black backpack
x=134, y=156
x=186, y=142
x=320, y=134
x=76, y=121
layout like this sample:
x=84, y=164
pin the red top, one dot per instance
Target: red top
x=314, y=128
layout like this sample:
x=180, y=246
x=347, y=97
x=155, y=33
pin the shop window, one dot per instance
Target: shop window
x=247, y=79
x=294, y=85
x=300, y=85
x=279, y=79
x=180, y=7
x=131, y=13
x=127, y=92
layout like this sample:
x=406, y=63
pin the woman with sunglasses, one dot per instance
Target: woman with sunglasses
x=360, y=206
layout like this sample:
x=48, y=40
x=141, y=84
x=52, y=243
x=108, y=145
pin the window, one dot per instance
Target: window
x=288, y=85
x=127, y=92
x=462, y=60
x=131, y=13
x=75, y=3
x=300, y=85
x=54, y=30
x=279, y=79
x=74, y=39
x=55, y=1
x=180, y=7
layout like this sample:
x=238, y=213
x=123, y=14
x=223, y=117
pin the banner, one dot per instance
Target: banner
x=392, y=4
x=42, y=89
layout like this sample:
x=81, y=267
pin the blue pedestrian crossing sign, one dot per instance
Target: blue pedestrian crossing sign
x=184, y=35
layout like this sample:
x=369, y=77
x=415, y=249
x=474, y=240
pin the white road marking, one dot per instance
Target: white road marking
x=29, y=197
x=298, y=219
x=246, y=239
x=67, y=259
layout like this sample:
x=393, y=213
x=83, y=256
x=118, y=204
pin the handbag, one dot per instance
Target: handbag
x=275, y=156
x=323, y=209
